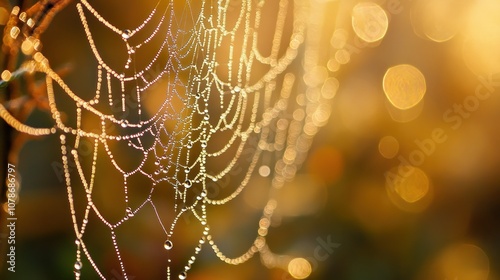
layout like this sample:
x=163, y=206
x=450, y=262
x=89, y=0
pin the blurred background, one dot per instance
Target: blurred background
x=402, y=182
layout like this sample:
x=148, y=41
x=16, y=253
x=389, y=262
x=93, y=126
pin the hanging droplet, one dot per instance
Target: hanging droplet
x=126, y=34
x=127, y=65
x=188, y=184
x=203, y=143
x=22, y=17
x=15, y=11
x=14, y=32
x=30, y=22
x=237, y=89
x=123, y=124
x=168, y=245
x=182, y=275
x=206, y=117
x=203, y=193
x=187, y=170
x=189, y=144
x=78, y=265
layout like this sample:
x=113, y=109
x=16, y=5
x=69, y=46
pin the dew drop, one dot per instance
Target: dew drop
x=189, y=144
x=188, y=184
x=78, y=265
x=22, y=16
x=123, y=124
x=129, y=212
x=182, y=275
x=126, y=34
x=168, y=245
x=14, y=32
x=187, y=170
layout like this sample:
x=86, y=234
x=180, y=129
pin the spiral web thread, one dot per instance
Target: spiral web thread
x=223, y=95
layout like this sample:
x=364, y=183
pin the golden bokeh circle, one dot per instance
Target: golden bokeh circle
x=299, y=268
x=404, y=85
x=464, y=261
x=409, y=188
x=414, y=186
x=369, y=21
x=388, y=147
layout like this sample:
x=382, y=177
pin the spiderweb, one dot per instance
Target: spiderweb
x=206, y=90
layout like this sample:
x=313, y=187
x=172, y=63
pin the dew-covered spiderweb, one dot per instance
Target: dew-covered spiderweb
x=204, y=91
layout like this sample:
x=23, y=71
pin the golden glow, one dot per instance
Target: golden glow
x=316, y=76
x=299, y=268
x=464, y=261
x=404, y=86
x=404, y=116
x=300, y=197
x=326, y=164
x=436, y=20
x=4, y=16
x=369, y=21
x=388, y=147
x=480, y=49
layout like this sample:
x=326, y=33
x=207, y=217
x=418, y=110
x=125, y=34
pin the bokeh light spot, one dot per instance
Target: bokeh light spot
x=299, y=268
x=436, y=20
x=388, y=147
x=414, y=186
x=465, y=261
x=404, y=85
x=369, y=21
x=6, y=75
x=409, y=188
